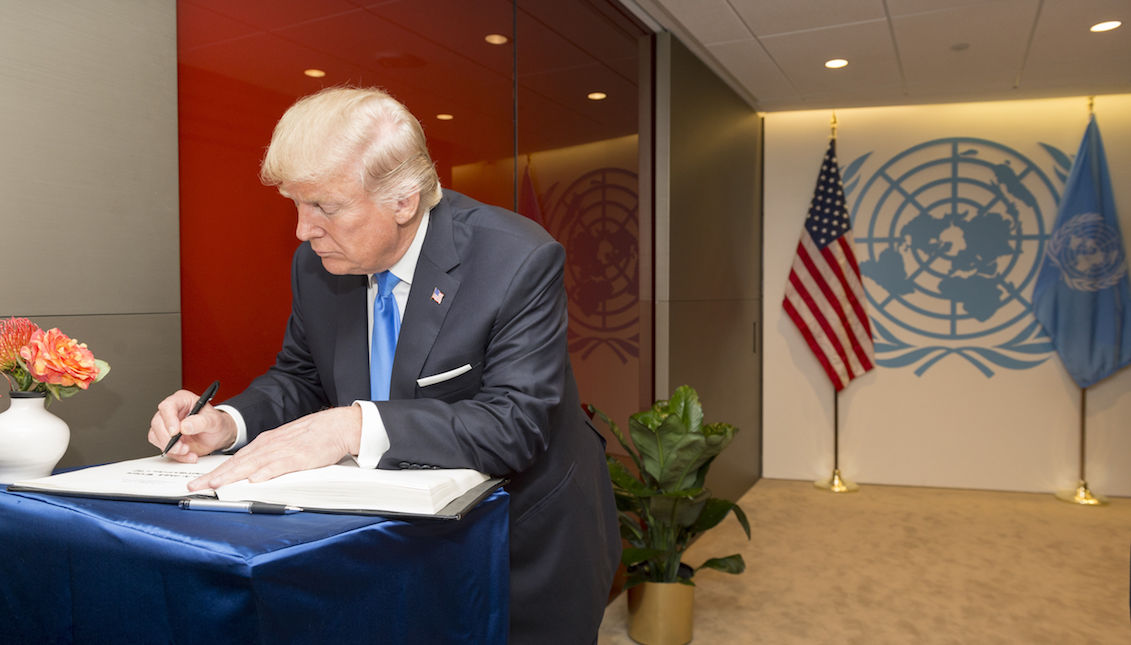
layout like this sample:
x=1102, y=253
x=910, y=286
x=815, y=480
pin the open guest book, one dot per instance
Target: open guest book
x=341, y=488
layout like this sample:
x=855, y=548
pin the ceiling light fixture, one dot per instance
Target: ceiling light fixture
x=836, y=63
x=496, y=39
x=1107, y=25
x=596, y=96
x=444, y=117
x=314, y=73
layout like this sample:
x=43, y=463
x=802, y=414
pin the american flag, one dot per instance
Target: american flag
x=824, y=297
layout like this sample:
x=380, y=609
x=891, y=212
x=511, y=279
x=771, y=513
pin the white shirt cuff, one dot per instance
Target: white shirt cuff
x=241, y=427
x=374, y=437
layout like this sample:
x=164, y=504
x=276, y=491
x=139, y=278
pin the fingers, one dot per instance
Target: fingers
x=201, y=434
x=316, y=440
x=167, y=421
x=260, y=460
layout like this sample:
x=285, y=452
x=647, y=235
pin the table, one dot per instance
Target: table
x=76, y=570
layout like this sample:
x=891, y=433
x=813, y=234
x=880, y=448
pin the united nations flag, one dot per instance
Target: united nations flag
x=1082, y=294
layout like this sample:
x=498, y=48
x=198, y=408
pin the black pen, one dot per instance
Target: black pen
x=204, y=398
x=258, y=508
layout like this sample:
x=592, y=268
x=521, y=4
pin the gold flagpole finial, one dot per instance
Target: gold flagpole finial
x=1091, y=105
x=832, y=126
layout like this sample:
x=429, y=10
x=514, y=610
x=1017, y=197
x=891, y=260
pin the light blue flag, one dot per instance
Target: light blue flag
x=1082, y=293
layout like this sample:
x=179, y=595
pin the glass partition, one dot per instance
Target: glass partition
x=492, y=82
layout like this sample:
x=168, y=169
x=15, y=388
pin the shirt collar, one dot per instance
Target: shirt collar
x=405, y=268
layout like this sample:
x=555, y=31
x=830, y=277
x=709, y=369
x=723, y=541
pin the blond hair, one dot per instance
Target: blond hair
x=360, y=130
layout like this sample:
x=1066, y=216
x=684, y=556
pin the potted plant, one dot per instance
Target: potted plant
x=665, y=507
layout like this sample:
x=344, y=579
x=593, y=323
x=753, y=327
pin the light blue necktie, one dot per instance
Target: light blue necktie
x=386, y=327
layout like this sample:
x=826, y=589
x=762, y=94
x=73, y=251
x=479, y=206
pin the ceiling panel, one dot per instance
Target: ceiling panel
x=265, y=15
x=1066, y=54
x=748, y=61
x=905, y=7
x=778, y=17
x=867, y=45
x=978, y=47
x=200, y=25
x=712, y=21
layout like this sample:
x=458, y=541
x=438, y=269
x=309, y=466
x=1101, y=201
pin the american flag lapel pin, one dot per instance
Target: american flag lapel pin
x=437, y=295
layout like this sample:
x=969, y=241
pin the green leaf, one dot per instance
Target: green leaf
x=673, y=442
x=730, y=564
x=677, y=509
x=740, y=515
x=623, y=478
x=103, y=369
x=630, y=529
x=652, y=417
x=714, y=510
x=633, y=556
x=684, y=452
x=616, y=433
x=685, y=404
x=627, y=502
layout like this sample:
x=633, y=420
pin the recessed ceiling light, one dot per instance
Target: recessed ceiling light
x=496, y=39
x=444, y=117
x=836, y=63
x=1107, y=25
x=596, y=96
x=314, y=73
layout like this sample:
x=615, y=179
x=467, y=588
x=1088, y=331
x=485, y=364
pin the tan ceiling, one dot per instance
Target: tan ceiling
x=904, y=51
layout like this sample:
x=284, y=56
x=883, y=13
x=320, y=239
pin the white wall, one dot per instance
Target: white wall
x=952, y=426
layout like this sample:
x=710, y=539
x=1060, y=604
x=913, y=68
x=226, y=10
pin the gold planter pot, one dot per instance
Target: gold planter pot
x=659, y=613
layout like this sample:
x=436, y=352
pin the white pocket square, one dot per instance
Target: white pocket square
x=443, y=376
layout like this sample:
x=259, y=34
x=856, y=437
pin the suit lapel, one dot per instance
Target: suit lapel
x=433, y=290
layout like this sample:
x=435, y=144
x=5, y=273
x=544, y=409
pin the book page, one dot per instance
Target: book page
x=343, y=486
x=154, y=477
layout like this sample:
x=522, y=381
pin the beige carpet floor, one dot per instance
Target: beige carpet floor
x=893, y=564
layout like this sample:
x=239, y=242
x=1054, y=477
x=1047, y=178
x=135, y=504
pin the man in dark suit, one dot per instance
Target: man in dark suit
x=481, y=376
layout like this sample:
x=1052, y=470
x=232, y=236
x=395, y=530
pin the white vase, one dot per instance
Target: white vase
x=32, y=440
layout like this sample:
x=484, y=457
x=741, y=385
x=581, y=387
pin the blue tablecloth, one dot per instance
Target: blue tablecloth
x=76, y=570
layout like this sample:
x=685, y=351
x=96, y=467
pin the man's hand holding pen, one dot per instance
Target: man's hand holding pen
x=203, y=433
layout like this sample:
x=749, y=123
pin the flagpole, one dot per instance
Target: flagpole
x=1081, y=494
x=835, y=483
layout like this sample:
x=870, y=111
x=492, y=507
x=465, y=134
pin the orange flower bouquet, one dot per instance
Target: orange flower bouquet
x=49, y=361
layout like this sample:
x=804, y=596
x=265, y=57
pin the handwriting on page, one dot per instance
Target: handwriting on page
x=180, y=474
x=159, y=477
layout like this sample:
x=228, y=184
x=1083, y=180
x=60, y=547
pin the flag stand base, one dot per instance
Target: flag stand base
x=1081, y=495
x=837, y=484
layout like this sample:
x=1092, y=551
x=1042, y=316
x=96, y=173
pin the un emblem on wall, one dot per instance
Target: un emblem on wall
x=595, y=217
x=952, y=233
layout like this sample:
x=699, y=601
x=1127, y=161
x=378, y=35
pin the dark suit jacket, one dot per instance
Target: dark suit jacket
x=516, y=413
